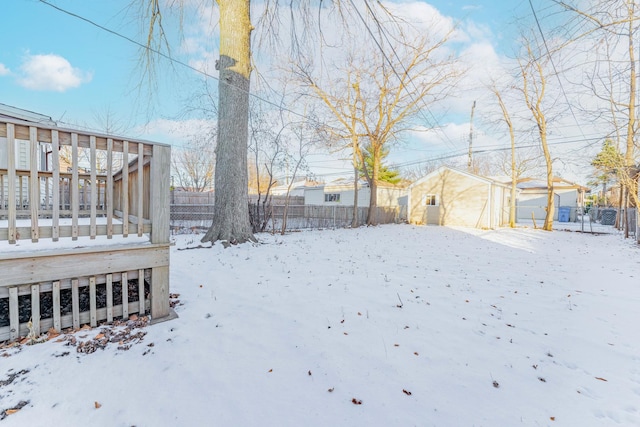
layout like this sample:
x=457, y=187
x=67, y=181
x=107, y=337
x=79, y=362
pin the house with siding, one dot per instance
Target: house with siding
x=449, y=196
x=341, y=192
x=532, y=198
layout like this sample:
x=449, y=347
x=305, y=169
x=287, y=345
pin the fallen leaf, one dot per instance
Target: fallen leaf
x=601, y=379
x=309, y=373
x=345, y=333
x=330, y=390
x=97, y=405
x=342, y=321
x=496, y=384
x=270, y=370
x=133, y=317
x=356, y=401
x=407, y=392
x=396, y=345
x=99, y=336
x=552, y=418
x=359, y=314
x=11, y=411
x=416, y=353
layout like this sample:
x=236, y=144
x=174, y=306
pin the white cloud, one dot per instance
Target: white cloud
x=51, y=72
x=4, y=70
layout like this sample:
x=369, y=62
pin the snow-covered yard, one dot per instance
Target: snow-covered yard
x=386, y=326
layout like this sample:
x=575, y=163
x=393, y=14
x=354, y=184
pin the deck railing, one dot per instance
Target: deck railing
x=61, y=185
x=48, y=174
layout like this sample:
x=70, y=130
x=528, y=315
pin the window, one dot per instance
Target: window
x=332, y=197
x=430, y=200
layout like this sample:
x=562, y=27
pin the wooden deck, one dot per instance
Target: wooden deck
x=84, y=228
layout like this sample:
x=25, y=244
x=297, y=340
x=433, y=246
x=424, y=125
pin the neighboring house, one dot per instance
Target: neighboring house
x=532, y=198
x=341, y=192
x=448, y=196
x=297, y=188
x=22, y=146
x=22, y=151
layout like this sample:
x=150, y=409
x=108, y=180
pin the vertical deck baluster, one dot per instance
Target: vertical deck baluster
x=35, y=310
x=141, y=305
x=75, y=187
x=20, y=191
x=140, y=182
x=11, y=176
x=14, y=314
x=94, y=187
x=92, y=302
x=125, y=296
x=109, y=189
x=34, y=183
x=109, y=298
x=125, y=188
x=55, y=166
x=55, y=295
x=75, y=303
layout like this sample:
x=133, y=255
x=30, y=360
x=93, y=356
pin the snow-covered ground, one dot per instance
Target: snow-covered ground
x=394, y=325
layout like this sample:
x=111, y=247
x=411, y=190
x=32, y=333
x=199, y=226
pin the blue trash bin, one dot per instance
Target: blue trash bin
x=563, y=213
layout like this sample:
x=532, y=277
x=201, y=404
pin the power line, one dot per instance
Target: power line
x=169, y=57
x=546, y=47
x=384, y=54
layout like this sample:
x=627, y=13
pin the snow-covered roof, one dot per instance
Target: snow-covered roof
x=26, y=115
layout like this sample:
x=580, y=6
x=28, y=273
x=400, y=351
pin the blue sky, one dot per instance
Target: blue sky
x=61, y=66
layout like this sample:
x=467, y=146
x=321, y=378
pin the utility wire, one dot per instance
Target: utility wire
x=544, y=40
x=384, y=33
x=169, y=57
x=384, y=54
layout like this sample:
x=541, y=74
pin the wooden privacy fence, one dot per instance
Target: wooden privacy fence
x=199, y=216
x=84, y=228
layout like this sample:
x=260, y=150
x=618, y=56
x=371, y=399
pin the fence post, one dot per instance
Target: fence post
x=334, y=216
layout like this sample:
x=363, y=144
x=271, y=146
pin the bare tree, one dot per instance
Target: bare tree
x=533, y=75
x=266, y=151
x=194, y=164
x=379, y=96
x=609, y=29
x=304, y=137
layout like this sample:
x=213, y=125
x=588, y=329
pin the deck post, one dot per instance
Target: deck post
x=109, y=188
x=55, y=165
x=75, y=184
x=159, y=213
x=34, y=183
x=95, y=188
x=11, y=177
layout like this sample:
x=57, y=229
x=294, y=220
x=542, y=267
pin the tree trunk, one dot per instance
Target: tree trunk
x=514, y=183
x=551, y=208
x=372, y=217
x=231, y=222
x=356, y=174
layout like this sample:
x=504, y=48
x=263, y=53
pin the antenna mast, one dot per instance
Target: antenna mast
x=473, y=107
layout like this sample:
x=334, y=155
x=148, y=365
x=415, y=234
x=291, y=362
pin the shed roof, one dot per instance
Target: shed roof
x=441, y=169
